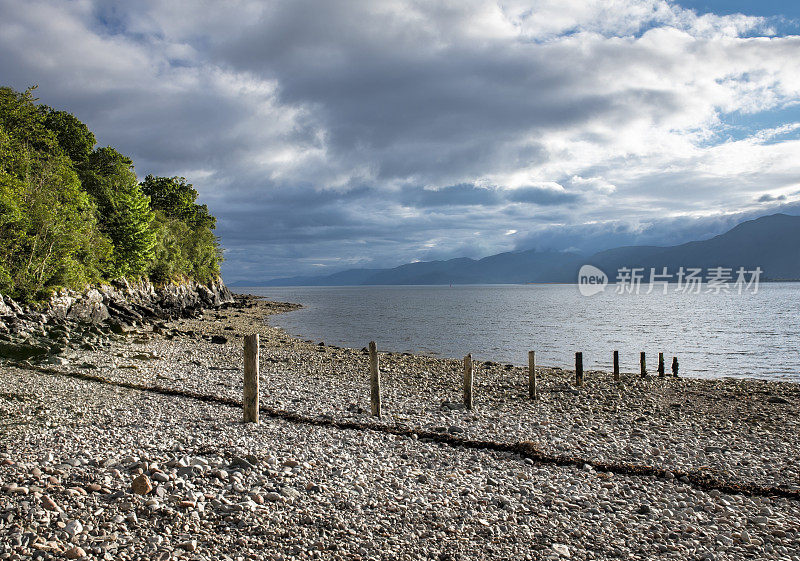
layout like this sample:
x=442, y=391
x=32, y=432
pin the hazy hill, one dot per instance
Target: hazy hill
x=770, y=242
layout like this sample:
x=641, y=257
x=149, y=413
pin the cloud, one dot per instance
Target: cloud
x=455, y=195
x=542, y=195
x=374, y=133
x=591, y=237
x=768, y=198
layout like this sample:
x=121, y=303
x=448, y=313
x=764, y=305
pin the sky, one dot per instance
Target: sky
x=333, y=134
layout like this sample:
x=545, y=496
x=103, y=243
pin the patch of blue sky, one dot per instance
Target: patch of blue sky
x=108, y=20
x=180, y=63
x=739, y=126
x=783, y=16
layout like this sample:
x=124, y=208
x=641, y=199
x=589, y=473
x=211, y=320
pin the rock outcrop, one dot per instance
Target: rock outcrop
x=36, y=333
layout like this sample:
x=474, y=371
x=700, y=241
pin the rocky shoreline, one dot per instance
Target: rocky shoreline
x=72, y=451
x=83, y=319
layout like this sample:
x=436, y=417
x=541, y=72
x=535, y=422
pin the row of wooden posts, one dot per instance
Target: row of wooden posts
x=250, y=398
x=579, y=368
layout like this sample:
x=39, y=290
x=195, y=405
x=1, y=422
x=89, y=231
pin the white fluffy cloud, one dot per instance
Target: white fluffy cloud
x=360, y=132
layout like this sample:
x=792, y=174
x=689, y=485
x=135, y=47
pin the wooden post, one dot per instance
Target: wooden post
x=468, y=381
x=375, y=380
x=578, y=369
x=616, y=366
x=250, y=398
x=660, y=365
x=642, y=365
x=532, y=374
x=675, y=366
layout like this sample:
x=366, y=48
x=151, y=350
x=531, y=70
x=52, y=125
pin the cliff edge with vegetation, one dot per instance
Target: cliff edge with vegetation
x=86, y=250
x=73, y=214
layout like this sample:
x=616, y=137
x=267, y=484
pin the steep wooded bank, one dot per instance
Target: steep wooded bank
x=73, y=215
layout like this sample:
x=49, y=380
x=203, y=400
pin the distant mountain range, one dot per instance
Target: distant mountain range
x=770, y=242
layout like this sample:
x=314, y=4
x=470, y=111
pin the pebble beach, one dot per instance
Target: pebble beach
x=101, y=471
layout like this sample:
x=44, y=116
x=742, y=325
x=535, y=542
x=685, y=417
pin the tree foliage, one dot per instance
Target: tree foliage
x=71, y=214
x=187, y=245
x=125, y=213
x=74, y=138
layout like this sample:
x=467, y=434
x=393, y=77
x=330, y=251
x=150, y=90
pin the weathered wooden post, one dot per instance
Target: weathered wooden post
x=660, y=365
x=675, y=366
x=375, y=380
x=250, y=398
x=468, y=381
x=578, y=369
x=532, y=374
x=616, y=366
x=642, y=365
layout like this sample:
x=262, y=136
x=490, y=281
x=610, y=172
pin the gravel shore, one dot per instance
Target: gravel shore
x=74, y=453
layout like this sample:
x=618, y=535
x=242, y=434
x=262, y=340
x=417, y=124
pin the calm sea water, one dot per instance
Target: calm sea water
x=713, y=335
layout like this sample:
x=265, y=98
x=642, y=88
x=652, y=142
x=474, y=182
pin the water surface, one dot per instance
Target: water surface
x=713, y=335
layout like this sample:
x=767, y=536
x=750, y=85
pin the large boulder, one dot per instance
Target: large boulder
x=207, y=296
x=223, y=293
x=90, y=308
x=22, y=351
x=177, y=297
x=60, y=304
x=8, y=307
x=215, y=294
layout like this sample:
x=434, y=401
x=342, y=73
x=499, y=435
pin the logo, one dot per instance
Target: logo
x=591, y=280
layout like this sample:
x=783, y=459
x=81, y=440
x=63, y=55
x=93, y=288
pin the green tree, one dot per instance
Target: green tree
x=60, y=244
x=23, y=122
x=48, y=230
x=187, y=246
x=73, y=136
x=170, y=262
x=125, y=213
x=176, y=199
x=10, y=208
x=130, y=232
